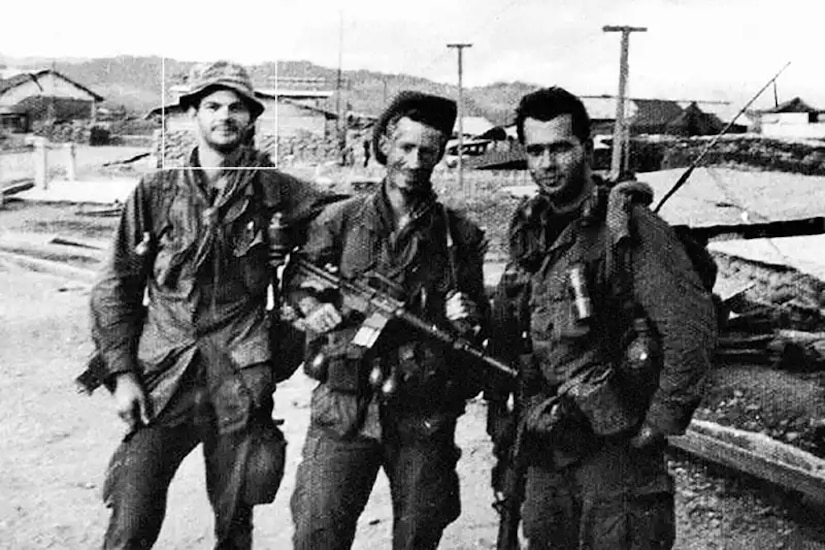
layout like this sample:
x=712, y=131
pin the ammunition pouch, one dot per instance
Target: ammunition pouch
x=544, y=417
x=286, y=346
x=599, y=398
x=637, y=374
x=420, y=368
x=339, y=413
x=556, y=432
x=592, y=401
x=531, y=378
x=265, y=461
x=343, y=367
x=345, y=372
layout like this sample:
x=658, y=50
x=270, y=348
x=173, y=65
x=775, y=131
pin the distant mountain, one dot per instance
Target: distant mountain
x=135, y=83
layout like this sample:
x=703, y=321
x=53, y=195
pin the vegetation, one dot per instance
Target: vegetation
x=135, y=83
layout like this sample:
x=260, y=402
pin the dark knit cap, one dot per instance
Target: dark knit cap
x=432, y=110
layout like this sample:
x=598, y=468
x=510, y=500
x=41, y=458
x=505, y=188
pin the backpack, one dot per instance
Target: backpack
x=621, y=199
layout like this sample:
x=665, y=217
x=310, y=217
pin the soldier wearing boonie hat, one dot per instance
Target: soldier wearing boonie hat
x=394, y=407
x=227, y=75
x=197, y=364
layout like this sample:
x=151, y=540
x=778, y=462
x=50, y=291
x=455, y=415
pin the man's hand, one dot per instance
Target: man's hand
x=130, y=401
x=462, y=312
x=319, y=317
x=648, y=437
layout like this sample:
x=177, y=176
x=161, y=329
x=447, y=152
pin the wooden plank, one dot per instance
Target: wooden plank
x=765, y=230
x=49, y=266
x=757, y=455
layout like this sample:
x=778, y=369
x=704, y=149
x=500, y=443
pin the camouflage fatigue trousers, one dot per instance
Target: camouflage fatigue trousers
x=336, y=476
x=139, y=473
x=616, y=498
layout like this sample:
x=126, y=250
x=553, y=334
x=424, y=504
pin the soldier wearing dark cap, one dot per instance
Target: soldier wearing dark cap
x=432, y=259
x=619, y=329
x=194, y=364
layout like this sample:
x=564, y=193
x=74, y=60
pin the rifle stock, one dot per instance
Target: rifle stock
x=361, y=296
x=509, y=507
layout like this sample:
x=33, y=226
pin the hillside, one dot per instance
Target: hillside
x=135, y=82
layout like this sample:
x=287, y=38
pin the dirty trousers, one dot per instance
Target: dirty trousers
x=142, y=468
x=336, y=476
x=617, y=498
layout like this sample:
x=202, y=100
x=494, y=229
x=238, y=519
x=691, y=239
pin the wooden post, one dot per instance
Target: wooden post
x=618, y=128
x=460, y=49
x=72, y=166
x=41, y=166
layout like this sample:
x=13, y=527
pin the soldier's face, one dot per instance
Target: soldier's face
x=557, y=160
x=222, y=119
x=412, y=149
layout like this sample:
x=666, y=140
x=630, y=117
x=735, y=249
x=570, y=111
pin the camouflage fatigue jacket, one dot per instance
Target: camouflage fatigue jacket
x=201, y=262
x=664, y=284
x=357, y=236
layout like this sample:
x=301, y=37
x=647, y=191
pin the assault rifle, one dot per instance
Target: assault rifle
x=364, y=295
x=508, y=483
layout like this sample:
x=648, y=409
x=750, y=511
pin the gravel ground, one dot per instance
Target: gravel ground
x=56, y=444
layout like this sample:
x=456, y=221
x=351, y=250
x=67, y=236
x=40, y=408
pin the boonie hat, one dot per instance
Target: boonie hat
x=224, y=74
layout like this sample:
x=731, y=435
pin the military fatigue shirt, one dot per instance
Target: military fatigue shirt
x=201, y=263
x=358, y=237
x=664, y=283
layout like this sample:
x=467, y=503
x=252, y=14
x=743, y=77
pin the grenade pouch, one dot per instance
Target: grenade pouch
x=599, y=398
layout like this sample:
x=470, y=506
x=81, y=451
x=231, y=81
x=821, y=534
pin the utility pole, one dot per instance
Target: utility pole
x=338, y=136
x=619, y=130
x=460, y=49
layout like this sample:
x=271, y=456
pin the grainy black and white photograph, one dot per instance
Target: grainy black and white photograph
x=466, y=274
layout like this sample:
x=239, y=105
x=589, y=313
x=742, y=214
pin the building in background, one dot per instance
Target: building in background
x=28, y=96
x=288, y=113
x=793, y=119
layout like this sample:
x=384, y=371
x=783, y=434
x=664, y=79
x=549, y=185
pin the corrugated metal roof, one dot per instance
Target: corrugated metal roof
x=653, y=113
x=795, y=105
x=21, y=77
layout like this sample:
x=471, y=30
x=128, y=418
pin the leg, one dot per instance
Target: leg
x=225, y=456
x=425, y=490
x=551, y=510
x=137, y=482
x=627, y=499
x=332, y=486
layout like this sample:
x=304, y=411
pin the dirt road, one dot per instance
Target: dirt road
x=56, y=444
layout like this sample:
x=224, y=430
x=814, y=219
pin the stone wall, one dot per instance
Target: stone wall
x=758, y=152
x=304, y=148
x=76, y=131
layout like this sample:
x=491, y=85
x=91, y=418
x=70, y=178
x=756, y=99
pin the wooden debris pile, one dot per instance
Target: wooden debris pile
x=782, y=336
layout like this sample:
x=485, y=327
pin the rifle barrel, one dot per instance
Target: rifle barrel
x=395, y=308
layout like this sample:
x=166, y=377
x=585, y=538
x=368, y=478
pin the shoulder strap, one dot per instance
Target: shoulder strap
x=451, y=248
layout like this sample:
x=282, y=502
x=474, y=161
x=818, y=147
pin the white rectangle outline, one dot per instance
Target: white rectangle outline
x=163, y=128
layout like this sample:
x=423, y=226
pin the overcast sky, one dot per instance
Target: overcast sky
x=703, y=49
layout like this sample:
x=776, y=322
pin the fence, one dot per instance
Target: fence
x=36, y=161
